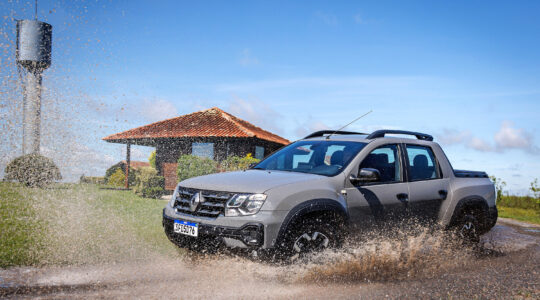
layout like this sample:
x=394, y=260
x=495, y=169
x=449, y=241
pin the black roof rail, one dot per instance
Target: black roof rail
x=323, y=132
x=382, y=133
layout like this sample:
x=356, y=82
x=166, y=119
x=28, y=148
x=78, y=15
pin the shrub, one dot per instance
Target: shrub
x=33, y=170
x=535, y=189
x=110, y=171
x=148, y=184
x=524, y=202
x=192, y=166
x=235, y=163
x=152, y=159
x=499, y=186
x=92, y=179
x=118, y=178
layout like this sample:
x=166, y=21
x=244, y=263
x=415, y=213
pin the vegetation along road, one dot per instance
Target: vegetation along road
x=76, y=241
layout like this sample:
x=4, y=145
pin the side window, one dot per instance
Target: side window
x=422, y=163
x=386, y=160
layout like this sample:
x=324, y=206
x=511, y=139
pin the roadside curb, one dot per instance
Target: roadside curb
x=517, y=223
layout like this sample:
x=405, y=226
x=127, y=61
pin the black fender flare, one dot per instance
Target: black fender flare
x=304, y=208
x=473, y=200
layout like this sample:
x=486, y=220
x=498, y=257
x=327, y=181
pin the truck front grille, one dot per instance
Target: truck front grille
x=212, y=204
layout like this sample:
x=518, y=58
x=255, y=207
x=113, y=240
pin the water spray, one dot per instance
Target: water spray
x=33, y=54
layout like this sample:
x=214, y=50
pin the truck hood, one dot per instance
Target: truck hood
x=249, y=181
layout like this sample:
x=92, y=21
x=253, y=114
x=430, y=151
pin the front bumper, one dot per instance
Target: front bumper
x=270, y=221
x=250, y=235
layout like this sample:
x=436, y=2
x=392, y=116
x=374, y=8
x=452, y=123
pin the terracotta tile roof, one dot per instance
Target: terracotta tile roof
x=135, y=164
x=212, y=122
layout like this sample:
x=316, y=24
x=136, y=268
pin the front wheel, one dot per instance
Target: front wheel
x=310, y=236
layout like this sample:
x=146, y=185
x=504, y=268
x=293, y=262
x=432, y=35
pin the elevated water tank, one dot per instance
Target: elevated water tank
x=34, y=39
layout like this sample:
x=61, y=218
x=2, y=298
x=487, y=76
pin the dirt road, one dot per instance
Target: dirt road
x=507, y=265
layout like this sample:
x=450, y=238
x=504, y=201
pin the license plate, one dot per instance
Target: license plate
x=185, y=227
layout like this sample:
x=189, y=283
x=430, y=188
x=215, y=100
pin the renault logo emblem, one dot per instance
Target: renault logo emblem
x=195, y=200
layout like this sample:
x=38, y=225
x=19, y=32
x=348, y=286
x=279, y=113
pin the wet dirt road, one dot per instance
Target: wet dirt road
x=507, y=266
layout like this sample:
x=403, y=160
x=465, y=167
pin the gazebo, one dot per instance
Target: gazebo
x=211, y=133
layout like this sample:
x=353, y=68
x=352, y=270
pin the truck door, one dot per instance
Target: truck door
x=427, y=186
x=373, y=202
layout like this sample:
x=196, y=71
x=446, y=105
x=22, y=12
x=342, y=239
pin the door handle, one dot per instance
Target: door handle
x=443, y=194
x=403, y=197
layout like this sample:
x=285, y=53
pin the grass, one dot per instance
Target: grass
x=17, y=223
x=526, y=202
x=83, y=224
x=78, y=224
x=521, y=214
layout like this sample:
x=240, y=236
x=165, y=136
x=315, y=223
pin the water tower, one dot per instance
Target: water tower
x=34, y=39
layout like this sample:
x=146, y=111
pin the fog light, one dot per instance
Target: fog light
x=253, y=235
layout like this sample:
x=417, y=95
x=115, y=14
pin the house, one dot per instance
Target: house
x=211, y=133
x=133, y=164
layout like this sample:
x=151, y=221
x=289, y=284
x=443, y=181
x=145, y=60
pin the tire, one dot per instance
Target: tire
x=310, y=236
x=467, y=228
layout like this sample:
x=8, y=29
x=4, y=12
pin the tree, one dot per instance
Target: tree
x=148, y=183
x=192, y=166
x=499, y=185
x=152, y=159
x=117, y=178
x=235, y=163
x=535, y=188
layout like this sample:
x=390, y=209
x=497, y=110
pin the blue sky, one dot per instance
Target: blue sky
x=467, y=72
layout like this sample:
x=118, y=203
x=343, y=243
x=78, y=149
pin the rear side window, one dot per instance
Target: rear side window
x=422, y=163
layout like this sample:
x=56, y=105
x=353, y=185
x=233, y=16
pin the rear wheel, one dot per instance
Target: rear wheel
x=468, y=228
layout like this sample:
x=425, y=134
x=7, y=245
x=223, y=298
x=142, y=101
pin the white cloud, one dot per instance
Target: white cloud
x=310, y=126
x=479, y=144
x=506, y=138
x=247, y=59
x=157, y=110
x=372, y=85
x=509, y=137
x=359, y=19
x=137, y=153
x=327, y=18
x=454, y=137
x=256, y=112
x=76, y=159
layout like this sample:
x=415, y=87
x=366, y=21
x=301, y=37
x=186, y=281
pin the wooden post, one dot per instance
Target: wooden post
x=128, y=162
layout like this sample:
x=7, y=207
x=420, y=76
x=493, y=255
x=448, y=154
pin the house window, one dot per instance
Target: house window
x=203, y=150
x=259, y=152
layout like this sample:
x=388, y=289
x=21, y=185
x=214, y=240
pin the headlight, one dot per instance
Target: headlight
x=244, y=204
x=174, y=195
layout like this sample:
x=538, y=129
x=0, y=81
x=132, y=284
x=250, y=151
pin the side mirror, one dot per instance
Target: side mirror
x=366, y=175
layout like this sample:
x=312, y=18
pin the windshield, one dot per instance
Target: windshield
x=316, y=157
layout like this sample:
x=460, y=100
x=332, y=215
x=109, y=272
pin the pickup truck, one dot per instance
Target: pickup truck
x=313, y=193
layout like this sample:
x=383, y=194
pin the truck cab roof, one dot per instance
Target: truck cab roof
x=368, y=137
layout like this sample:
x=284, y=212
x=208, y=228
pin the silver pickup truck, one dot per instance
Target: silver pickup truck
x=314, y=192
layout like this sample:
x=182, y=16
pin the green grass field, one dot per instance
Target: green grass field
x=83, y=224
x=520, y=214
x=78, y=224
